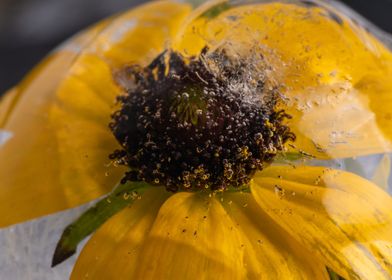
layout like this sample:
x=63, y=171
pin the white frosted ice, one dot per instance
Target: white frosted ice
x=27, y=248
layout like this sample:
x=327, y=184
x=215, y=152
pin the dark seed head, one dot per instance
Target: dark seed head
x=208, y=122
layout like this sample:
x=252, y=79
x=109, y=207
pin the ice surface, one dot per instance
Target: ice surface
x=27, y=248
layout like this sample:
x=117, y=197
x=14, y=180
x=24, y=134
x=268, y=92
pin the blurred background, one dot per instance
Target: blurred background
x=29, y=29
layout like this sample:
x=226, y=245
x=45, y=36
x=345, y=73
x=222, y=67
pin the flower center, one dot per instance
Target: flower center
x=208, y=122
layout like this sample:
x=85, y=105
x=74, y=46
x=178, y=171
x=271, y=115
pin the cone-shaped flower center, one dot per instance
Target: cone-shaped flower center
x=201, y=123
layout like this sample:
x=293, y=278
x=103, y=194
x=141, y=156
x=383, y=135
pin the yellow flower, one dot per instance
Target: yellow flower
x=295, y=220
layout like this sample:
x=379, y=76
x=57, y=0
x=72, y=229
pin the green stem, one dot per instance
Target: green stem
x=94, y=217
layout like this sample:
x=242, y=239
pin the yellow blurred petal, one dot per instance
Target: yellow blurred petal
x=343, y=219
x=29, y=161
x=57, y=156
x=382, y=173
x=112, y=251
x=334, y=75
x=6, y=104
x=377, y=87
x=268, y=249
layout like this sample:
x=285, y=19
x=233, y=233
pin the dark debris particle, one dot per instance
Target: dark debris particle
x=207, y=122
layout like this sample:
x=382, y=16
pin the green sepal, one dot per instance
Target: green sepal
x=333, y=275
x=122, y=196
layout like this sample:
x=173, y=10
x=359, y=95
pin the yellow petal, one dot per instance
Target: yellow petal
x=377, y=87
x=57, y=156
x=339, y=123
x=192, y=238
x=29, y=161
x=333, y=74
x=345, y=220
x=268, y=249
x=112, y=251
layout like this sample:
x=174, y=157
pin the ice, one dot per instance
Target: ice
x=27, y=248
